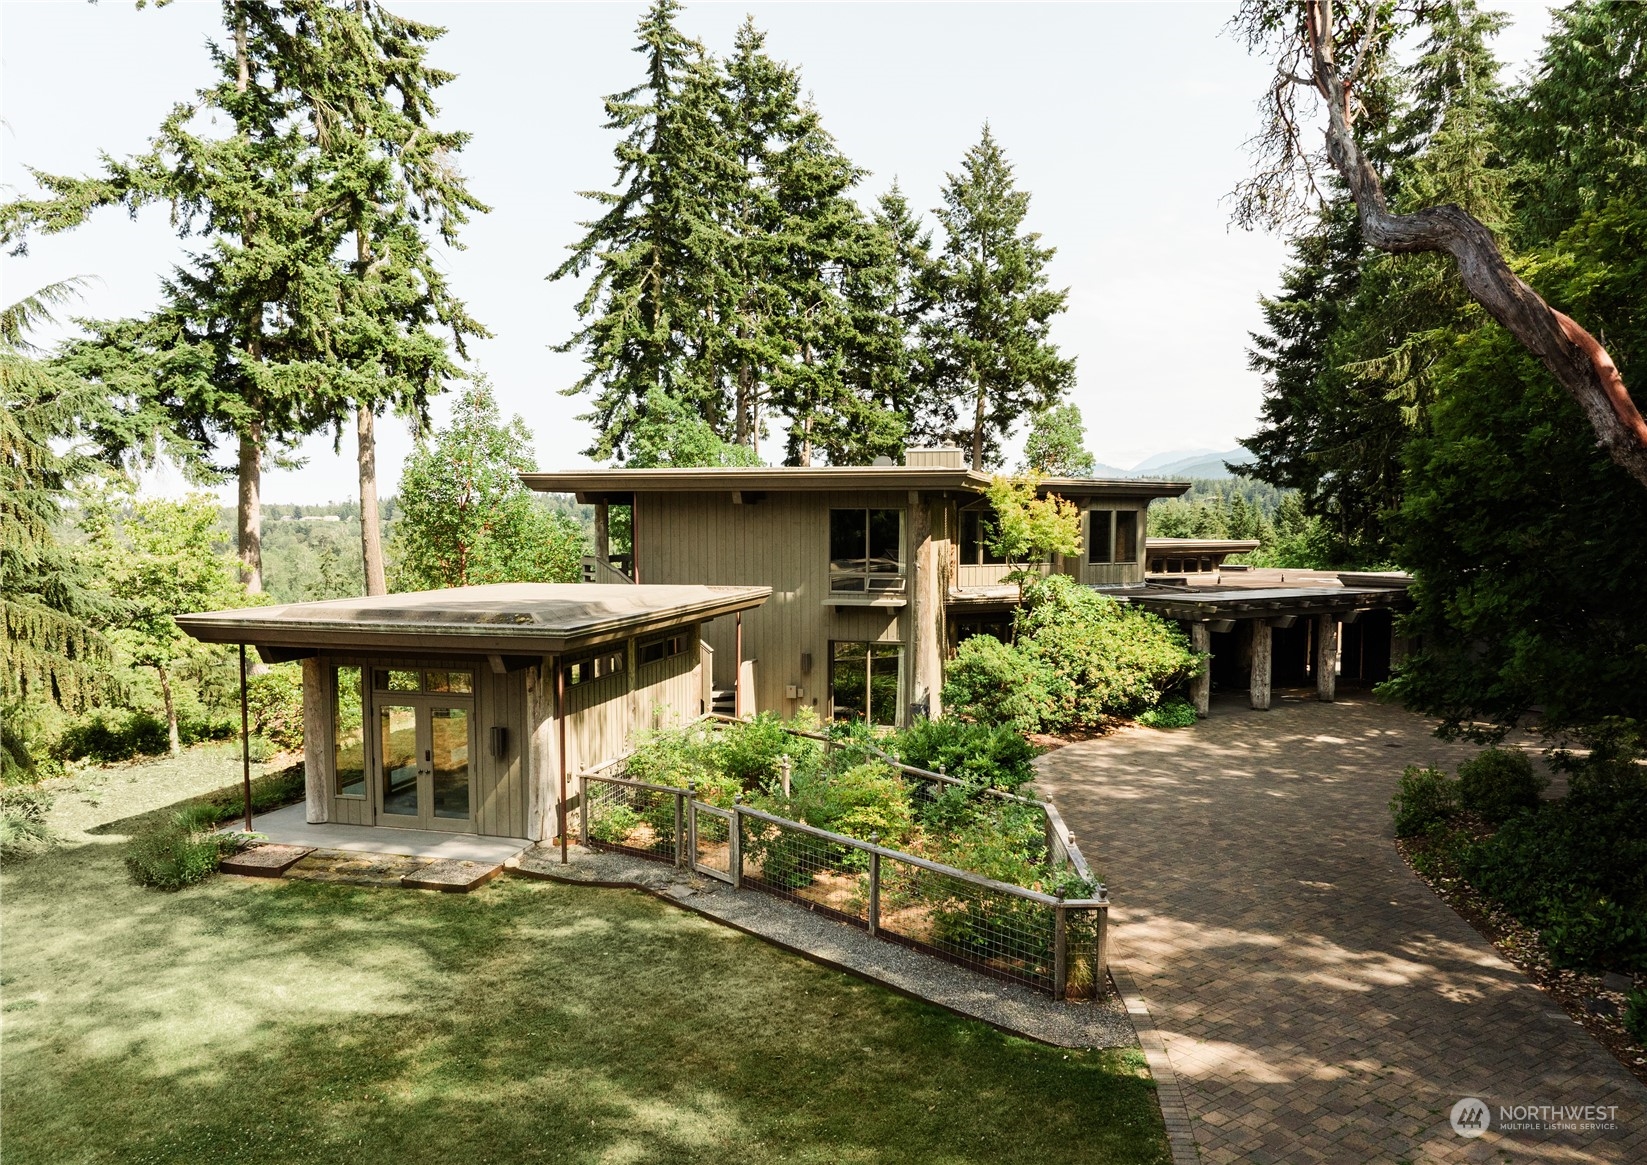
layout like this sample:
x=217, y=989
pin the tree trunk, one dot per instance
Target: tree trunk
x=1574, y=357
x=250, y=509
x=371, y=532
x=173, y=737
x=978, y=428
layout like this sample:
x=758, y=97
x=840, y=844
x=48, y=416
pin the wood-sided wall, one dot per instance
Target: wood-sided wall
x=781, y=540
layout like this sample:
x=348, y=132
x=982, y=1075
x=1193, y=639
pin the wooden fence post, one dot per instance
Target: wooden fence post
x=734, y=843
x=874, y=886
x=680, y=830
x=1060, y=949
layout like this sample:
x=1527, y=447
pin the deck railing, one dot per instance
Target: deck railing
x=1041, y=940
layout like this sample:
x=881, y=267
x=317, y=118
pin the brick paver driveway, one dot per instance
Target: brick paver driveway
x=1318, y=1003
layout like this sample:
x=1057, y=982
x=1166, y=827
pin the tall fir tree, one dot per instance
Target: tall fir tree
x=992, y=359
x=234, y=339
x=650, y=318
x=362, y=73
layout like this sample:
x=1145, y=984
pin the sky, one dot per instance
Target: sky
x=1126, y=122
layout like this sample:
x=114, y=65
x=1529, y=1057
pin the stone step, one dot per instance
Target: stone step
x=265, y=861
x=451, y=875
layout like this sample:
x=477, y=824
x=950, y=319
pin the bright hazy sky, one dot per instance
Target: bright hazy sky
x=1125, y=121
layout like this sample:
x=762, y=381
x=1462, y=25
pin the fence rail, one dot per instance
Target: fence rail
x=1010, y=932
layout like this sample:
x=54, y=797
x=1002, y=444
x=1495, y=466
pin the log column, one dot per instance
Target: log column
x=317, y=741
x=1326, y=658
x=1201, y=684
x=1262, y=652
x=925, y=612
x=603, y=540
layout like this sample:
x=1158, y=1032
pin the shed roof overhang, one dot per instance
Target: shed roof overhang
x=512, y=619
x=618, y=485
x=1210, y=604
x=1201, y=545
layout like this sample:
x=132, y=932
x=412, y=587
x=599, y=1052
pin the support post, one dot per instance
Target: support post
x=734, y=843
x=1201, y=684
x=680, y=830
x=874, y=886
x=583, y=814
x=603, y=539
x=245, y=743
x=737, y=679
x=1101, y=967
x=560, y=728
x=1060, y=950
x=1263, y=643
x=926, y=614
x=1326, y=658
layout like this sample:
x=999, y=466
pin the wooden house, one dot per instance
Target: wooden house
x=475, y=709
x=875, y=571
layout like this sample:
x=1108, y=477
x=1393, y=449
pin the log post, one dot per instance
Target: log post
x=1201, y=683
x=1262, y=652
x=1326, y=658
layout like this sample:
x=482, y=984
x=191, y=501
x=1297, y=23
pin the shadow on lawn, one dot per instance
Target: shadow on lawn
x=278, y=1022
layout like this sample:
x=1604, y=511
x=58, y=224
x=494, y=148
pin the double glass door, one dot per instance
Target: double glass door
x=424, y=746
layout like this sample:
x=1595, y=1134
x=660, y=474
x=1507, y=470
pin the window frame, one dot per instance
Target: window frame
x=895, y=582
x=604, y=665
x=873, y=650
x=675, y=644
x=1111, y=530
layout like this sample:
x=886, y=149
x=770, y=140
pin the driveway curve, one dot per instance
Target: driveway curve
x=1316, y=1000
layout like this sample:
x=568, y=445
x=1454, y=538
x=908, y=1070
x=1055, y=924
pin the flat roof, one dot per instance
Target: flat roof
x=1201, y=545
x=1198, y=603
x=502, y=618
x=594, y=484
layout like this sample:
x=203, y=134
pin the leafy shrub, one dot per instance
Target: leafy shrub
x=23, y=829
x=752, y=753
x=1079, y=657
x=109, y=735
x=865, y=799
x=996, y=683
x=1174, y=712
x=1576, y=869
x=1426, y=797
x=672, y=756
x=983, y=754
x=1499, y=783
x=613, y=823
x=204, y=726
x=1635, y=1015
x=180, y=851
x=274, y=701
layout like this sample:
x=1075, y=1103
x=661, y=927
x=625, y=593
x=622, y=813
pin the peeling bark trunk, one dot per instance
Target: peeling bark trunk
x=1574, y=357
x=371, y=533
x=173, y=737
x=250, y=508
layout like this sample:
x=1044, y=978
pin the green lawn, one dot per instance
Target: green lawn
x=252, y=1021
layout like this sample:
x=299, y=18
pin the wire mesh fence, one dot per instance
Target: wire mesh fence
x=1006, y=931
x=634, y=817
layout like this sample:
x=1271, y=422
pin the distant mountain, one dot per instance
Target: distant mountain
x=1201, y=463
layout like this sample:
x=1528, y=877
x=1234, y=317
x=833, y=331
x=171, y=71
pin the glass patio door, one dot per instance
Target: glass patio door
x=424, y=751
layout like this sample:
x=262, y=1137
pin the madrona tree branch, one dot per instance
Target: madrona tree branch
x=1574, y=357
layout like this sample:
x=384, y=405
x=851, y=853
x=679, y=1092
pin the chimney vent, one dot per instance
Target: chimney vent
x=943, y=457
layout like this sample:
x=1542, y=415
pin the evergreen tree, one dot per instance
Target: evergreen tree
x=234, y=339
x=651, y=319
x=669, y=435
x=1056, y=446
x=363, y=76
x=993, y=308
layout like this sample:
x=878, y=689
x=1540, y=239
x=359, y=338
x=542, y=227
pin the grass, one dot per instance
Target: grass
x=248, y=1021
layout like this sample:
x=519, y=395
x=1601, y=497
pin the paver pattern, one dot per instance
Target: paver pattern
x=1317, y=1001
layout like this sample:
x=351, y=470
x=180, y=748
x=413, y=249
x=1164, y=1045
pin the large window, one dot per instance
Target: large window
x=348, y=733
x=1112, y=536
x=977, y=527
x=863, y=682
x=866, y=550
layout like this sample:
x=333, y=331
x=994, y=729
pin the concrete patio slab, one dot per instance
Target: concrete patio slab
x=1316, y=1000
x=288, y=827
